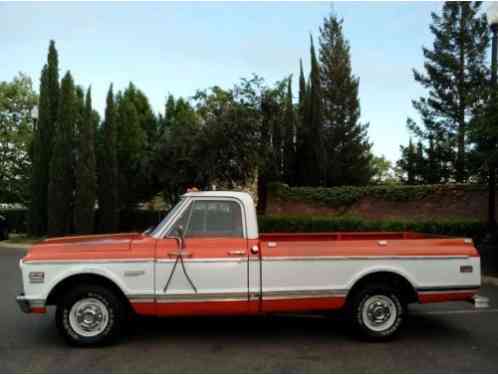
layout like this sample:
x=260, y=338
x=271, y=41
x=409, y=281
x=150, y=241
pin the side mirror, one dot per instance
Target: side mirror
x=181, y=237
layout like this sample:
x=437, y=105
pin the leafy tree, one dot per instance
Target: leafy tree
x=407, y=164
x=174, y=164
x=455, y=77
x=346, y=143
x=86, y=177
x=61, y=177
x=43, y=142
x=108, y=169
x=229, y=134
x=383, y=170
x=17, y=99
x=420, y=167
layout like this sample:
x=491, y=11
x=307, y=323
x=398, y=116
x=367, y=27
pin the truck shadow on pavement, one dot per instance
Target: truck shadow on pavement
x=332, y=328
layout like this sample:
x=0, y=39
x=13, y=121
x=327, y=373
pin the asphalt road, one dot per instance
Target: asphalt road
x=436, y=338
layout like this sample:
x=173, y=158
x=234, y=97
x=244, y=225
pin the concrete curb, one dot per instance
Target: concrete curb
x=19, y=246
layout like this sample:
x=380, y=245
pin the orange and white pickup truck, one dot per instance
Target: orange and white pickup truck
x=206, y=257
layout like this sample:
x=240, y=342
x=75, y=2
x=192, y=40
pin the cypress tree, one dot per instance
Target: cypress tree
x=301, y=129
x=130, y=147
x=43, y=142
x=276, y=137
x=289, y=154
x=38, y=190
x=108, y=175
x=455, y=75
x=86, y=178
x=315, y=161
x=346, y=142
x=61, y=181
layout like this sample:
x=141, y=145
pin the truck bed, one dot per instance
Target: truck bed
x=364, y=244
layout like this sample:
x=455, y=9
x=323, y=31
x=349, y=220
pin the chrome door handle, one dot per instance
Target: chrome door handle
x=236, y=252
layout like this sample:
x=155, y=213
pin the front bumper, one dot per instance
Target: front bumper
x=30, y=305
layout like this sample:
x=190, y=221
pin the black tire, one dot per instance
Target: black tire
x=363, y=304
x=115, y=310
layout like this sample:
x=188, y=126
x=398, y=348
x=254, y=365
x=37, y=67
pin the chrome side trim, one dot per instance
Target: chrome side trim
x=361, y=257
x=447, y=291
x=204, y=260
x=204, y=297
x=243, y=258
x=236, y=296
x=88, y=261
x=298, y=294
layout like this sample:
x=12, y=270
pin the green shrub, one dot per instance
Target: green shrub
x=17, y=219
x=348, y=195
x=463, y=228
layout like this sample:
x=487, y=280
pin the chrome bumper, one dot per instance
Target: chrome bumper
x=23, y=303
x=31, y=305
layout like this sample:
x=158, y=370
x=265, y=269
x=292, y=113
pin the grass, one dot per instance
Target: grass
x=22, y=238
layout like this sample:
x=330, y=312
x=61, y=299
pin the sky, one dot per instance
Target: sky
x=179, y=48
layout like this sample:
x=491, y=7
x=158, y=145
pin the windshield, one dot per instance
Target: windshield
x=157, y=229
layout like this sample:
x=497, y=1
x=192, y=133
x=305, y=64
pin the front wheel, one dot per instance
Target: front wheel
x=90, y=315
x=377, y=312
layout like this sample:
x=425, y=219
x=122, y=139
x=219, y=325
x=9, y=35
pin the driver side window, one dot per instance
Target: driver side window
x=210, y=218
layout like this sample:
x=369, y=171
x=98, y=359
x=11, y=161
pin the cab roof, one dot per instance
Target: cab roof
x=244, y=197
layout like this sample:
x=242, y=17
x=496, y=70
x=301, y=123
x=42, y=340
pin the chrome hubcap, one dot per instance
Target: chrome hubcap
x=89, y=317
x=379, y=312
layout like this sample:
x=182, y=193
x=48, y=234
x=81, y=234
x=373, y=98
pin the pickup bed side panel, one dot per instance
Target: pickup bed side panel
x=319, y=276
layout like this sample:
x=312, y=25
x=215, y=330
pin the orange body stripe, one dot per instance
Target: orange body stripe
x=428, y=297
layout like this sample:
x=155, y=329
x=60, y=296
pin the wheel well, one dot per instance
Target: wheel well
x=85, y=278
x=406, y=289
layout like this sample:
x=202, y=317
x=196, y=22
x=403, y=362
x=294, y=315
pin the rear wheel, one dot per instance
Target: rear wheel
x=90, y=315
x=377, y=312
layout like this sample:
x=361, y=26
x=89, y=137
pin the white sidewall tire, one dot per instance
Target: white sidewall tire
x=359, y=304
x=115, y=315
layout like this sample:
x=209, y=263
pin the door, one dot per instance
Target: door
x=210, y=275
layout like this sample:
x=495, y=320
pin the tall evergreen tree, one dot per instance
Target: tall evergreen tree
x=315, y=158
x=108, y=173
x=61, y=181
x=289, y=153
x=86, y=178
x=455, y=76
x=349, y=160
x=301, y=134
x=43, y=142
x=137, y=132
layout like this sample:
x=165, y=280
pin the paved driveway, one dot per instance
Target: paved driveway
x=437, y=338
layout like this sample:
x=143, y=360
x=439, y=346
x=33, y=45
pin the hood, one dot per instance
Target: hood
x=82, y=247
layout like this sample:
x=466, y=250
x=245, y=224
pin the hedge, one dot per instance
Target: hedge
x=463, y=228
x=17, y=219
x=139, y=220
x=347, y=195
